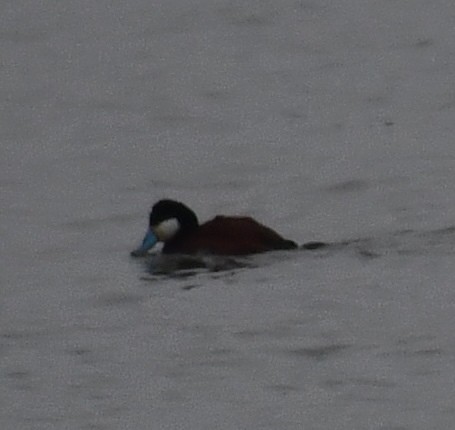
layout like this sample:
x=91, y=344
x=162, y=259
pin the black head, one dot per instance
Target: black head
x=169, y=221
x=169, y=209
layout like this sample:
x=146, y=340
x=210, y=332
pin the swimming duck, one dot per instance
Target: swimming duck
x=177, y=226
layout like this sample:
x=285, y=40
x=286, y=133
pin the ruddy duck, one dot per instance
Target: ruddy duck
x=178, y=228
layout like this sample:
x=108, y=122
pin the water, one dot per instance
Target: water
x=327, y=121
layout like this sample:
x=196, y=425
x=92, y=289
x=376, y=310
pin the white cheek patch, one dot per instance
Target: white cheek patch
x=167, y=229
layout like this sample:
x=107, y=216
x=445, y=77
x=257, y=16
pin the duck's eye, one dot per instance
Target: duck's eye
x=167, y=229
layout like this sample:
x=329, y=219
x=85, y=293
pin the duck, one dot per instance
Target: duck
x=178, y=228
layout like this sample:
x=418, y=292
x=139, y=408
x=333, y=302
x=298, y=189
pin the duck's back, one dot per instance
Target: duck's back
x=231, y=236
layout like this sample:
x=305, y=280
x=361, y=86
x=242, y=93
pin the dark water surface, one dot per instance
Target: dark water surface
x=328, y=121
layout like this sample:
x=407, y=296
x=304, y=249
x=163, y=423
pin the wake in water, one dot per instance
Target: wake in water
x=404, y=242
x=179, y=266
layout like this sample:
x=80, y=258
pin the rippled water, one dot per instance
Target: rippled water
x=328, y=121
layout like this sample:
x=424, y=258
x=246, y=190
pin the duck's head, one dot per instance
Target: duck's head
x=168, y=219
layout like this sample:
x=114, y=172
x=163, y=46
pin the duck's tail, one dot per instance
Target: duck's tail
x=311, y=246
